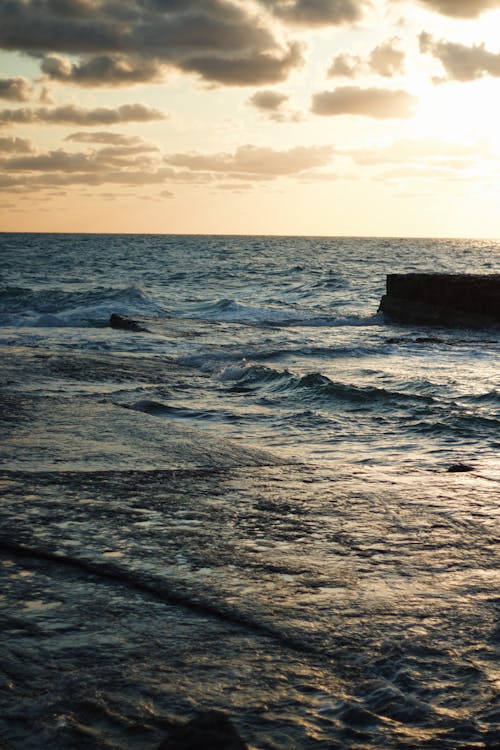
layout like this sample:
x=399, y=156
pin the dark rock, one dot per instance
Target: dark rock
x=455, y=468
x=442, y=299
x=209, y=730
x=125, y=324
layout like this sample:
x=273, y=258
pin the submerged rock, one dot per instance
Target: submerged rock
x=125, y=324
x=210, y=730
x=455, y=468
x=442, y=299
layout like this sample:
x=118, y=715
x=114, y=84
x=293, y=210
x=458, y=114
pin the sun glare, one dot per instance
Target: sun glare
x=461, y=113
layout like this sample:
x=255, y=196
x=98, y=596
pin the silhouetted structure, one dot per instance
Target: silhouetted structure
x=442, y=299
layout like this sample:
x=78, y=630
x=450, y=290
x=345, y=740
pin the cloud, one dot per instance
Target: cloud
x=255, y=162
x=120, y=165
x=23, y=170
x=345, y=65
x=115, y=43
x=101, y=160
x=461, y=8
x=268, y=101
x=317, y=12
x=235, y=187
x=249, y=70
x=58, y=161
x=426, y=159
x=104, y=136
x=55, y=179
x=271, y=103
x=15, y=89
x=460, y=62
x=13, y=144
x=73, y=115
x=369, y=102
x=386, y=60
x=102, y=70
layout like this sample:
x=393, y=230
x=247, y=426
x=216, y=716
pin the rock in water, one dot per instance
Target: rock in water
x=456, y=468
x=125, y=324
x=210, y=730
x=442, y=299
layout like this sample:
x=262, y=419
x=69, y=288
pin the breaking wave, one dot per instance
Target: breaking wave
x=24, y=307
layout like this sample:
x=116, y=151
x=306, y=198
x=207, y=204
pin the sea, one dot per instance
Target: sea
x=247, y=505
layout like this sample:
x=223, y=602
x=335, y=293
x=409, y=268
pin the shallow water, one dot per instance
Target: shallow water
x=248, y=506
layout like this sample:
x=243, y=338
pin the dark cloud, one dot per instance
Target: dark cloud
x=386, y=60
x=15, y=89
x=253, y=161
x=317, y=12
x=272, y=105
x=461, y=8
x=54, y=161
x=13, y=144
x=102, y=70
x=136, y=40
x=268, y=101
x=460, y=62
x=73, y=115
x=248, y=70
x=369, y=102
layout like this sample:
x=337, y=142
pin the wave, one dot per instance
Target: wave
x=416, y=412
x=159, y=409
x=489, y=397
x=231, y=311
x=312, y=386
x=457, y=422
x=25, y=307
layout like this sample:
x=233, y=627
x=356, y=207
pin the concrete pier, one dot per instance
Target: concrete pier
x=442, y=299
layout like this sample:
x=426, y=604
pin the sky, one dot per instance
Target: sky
x=282, y=117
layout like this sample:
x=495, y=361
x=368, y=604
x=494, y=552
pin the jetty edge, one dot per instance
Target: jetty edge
x=442, y=299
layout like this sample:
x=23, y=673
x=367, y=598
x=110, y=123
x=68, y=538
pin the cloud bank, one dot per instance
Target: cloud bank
x=134, y=41
x=255, y=161
x=116, y=159
x=73, y=115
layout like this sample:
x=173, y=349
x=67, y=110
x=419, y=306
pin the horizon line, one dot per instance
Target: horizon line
x=258, y=234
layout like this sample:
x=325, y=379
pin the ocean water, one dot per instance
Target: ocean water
x=246, y=506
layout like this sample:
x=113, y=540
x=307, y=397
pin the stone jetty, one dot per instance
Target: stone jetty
x=442, y=299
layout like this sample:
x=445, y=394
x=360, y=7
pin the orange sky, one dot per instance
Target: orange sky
x=319, y=117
